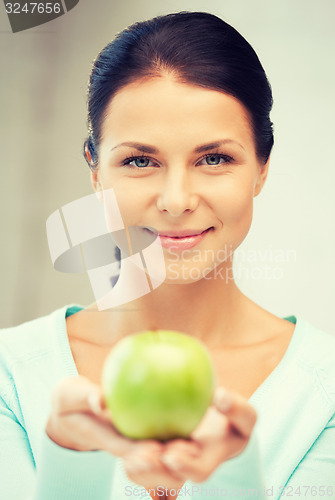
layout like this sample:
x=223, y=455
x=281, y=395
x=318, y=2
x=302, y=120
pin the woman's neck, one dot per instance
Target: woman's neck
x=212, y=309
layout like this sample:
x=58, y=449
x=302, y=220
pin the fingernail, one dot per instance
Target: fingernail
x=223, y=399
x=171, y=462
x=94, y=402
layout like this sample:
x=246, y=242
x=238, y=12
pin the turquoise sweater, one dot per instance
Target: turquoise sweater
x=291, y=451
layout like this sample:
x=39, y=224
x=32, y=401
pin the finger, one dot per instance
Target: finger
x=198, y=467
x=98, y=406
x=79, y=402
x=185, y=467
x=85, y=432
x=143, y=455
x=143, y=465
x=79, y=394
x=130, y=448
x=188, y=447
x=241, y=415
x=71, y=394
x=183, y=462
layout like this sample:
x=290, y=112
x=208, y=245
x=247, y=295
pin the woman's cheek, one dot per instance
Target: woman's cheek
x=129, y=201
x=236, y=212
x=242, y=209
x=234, y=201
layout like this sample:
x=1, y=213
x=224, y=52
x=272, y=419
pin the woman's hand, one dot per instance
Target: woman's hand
x=222, y=434
x=79, y=420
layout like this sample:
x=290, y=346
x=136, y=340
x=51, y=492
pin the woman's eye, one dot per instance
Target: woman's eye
x=141, y=162
x=137, y=162
x=217, y=159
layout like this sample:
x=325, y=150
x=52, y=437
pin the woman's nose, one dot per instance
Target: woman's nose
x=177, y=195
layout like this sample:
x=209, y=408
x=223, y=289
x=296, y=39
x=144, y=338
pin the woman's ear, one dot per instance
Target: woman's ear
x=96, y=184
x=261, y=177
x=95, y=174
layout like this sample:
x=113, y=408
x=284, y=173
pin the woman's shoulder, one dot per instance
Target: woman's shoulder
x=318, y=342
x=32, y=338
x=33, y=326
x=313, y=351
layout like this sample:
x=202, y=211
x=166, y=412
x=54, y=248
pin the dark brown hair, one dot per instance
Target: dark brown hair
x=198, y=48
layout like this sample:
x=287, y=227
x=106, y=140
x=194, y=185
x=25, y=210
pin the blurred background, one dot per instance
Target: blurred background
x=286, y=262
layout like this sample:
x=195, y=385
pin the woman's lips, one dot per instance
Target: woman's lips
x=183, y=243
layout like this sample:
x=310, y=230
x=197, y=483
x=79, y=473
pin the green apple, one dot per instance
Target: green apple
x=158, y=384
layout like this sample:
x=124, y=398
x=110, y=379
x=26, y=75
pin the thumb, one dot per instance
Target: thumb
x=241, y=415
x=97, y=404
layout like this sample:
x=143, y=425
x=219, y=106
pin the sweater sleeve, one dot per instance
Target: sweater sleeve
x=314, y=476
x=60, y=473
x=73, y=475
x=237, y=477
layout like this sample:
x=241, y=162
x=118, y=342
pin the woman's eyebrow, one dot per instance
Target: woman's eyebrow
x=216, y=144
x=145, y=148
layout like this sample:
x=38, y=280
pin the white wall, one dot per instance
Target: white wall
x=44, y=72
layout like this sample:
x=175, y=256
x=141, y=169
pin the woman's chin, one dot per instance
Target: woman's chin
x=184, y=276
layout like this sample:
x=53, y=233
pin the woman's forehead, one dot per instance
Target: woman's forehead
x=164, y=106
x=167, y=90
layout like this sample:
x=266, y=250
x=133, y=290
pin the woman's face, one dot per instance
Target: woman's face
x=181, y=157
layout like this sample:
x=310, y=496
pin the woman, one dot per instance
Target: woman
x=180, y=130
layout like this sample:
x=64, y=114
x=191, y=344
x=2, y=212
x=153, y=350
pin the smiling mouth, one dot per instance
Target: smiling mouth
x=183, y=242
x=188, y=236
x=178, y=237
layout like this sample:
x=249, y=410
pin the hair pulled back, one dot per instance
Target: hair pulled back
x=197, y=48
